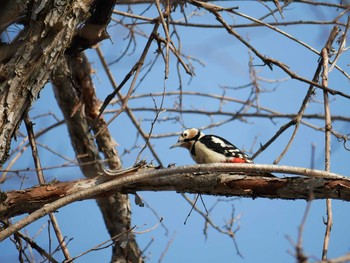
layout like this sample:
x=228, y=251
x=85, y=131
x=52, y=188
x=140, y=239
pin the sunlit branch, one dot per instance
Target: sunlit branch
x=217, y=179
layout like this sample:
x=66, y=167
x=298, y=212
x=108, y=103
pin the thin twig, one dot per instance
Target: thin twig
x=22, y=147
x=299, y=246
x=166, y=248
x=192, y=207
x=297, y=119
x=155, y=213
x=127, y=109
x=342, y=44
x=328, y=128
x=158, y=112
x=135, y=70
x=41, y=179
x=267, y=60
x=213, y=26
x=165, y=25
x=104, y=243
x=39, y=249
x=209, y=221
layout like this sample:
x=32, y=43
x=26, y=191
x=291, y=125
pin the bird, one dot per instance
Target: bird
x=210, y=148
x=213, y=149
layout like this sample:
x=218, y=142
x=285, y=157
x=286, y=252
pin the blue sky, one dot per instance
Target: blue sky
x=265, y=225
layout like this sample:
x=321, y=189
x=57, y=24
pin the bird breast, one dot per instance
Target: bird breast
x=201, y=154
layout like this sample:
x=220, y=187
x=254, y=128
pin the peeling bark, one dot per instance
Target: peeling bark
x=25, y=69
x=51, y=30
x=173, y=179
x=75, y=94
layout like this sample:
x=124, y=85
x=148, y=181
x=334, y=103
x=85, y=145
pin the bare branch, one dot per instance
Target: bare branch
x=126, y=108
x=215, y=179
x=135, y=70
x=41, y=180
x=328, y=128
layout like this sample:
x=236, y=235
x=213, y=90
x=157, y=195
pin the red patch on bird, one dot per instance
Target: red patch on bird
x=236, y=160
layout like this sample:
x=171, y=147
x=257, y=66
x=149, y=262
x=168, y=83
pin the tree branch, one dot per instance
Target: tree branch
x=211, y=179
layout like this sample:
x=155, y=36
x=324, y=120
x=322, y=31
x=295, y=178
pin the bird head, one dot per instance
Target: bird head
x=187, y=138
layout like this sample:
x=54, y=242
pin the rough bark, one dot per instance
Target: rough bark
x=25, y=64
x=76, y=96
x=179, y=179
x=51, y=29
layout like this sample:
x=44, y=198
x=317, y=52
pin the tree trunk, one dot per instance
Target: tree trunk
x=51, y=29
x=70, y=78
x=26, y=62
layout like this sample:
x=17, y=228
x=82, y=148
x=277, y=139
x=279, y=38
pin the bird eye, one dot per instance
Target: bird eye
x=184, y=134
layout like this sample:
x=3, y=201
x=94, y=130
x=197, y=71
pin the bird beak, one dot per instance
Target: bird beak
x=178, y=144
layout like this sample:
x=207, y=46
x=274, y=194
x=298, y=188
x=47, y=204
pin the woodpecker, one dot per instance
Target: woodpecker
x=210, y=148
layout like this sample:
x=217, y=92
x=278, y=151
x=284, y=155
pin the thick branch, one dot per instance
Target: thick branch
x=211, y=179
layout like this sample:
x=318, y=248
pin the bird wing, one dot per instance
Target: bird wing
x=222, y=146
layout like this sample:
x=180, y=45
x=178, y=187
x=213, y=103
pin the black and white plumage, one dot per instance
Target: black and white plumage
x=210, y=148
